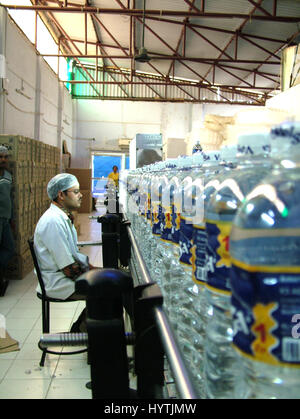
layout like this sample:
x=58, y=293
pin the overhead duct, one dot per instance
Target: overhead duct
x=143, y=56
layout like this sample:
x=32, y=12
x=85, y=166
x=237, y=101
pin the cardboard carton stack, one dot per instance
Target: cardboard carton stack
x=32, y=164
x=84, y=177
x=251, y=121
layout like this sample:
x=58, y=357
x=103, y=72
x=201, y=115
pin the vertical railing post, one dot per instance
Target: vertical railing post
x=106, y=333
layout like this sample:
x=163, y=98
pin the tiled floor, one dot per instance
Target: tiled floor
x=62, y=376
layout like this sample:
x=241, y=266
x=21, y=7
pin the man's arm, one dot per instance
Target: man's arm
x=53, y=237
x=73, y=271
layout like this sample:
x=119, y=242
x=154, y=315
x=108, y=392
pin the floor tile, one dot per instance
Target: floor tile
x=62, y=313
x=56, y=324
x=34, y=303
x=62, y=306
x=31, y=352
x=24, y=389
x=24, y=324
x=69, y=389
x=8, y=301
x=8, y=355
x=19, y=334
x=30, y=369
x=33, y=336
x=72, y=368
x=24, y=313
x=4, y=365
x=82, y=356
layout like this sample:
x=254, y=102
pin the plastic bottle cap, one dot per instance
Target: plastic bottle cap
x=228, y=153
x=285, y=139
x=253, y=144
x=212, y=156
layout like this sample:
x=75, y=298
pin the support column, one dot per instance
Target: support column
x=60, y=100
x=37, y=99
x=3, y=32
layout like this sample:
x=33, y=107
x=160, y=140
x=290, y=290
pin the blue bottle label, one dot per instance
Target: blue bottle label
x=148, y=208
x=198, y=252
x=218, y=263
x=185, y=241
x=156, y=218
x=166, y=224
x=175, y=224
x=266, y=313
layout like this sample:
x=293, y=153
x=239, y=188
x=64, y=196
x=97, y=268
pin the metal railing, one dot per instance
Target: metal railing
x=181, y=375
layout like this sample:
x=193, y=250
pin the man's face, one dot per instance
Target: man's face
x=72, y=198
x=3, y=161
x=115, y=169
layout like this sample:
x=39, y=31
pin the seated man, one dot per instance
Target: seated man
x=55, y=242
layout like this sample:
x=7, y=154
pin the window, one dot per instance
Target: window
x=102, y=165
x=25, y=19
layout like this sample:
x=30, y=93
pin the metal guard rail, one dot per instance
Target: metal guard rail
x=180, y=373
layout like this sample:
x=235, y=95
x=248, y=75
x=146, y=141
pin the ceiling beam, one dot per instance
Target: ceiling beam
x=234, y=38
x=62, y=31
x=174, y=100
x=259, y=7
x=168, y=57
x=182, y=38
x=210, y=28
x=139, y=12
x=163, y=83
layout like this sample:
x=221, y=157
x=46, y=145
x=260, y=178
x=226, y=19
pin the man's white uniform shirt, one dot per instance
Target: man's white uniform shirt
x=55, y=243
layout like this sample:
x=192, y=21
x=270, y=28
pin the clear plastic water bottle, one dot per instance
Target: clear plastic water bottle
x=188, y=309
x=157, y=185
x=265, y=275
x=133, y=196
x=172, y=266
x=164, y=245
x=201, y=309
x=220, y=359
x=142, y=222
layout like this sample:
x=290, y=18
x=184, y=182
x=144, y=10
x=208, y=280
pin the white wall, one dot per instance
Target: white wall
x=41, y=114
x=287, y=101
x=106, y=121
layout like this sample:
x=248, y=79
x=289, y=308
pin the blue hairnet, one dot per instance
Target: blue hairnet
x=60, y=182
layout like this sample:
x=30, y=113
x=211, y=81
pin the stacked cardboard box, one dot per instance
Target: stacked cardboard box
x=84, y=177
x=32, y=164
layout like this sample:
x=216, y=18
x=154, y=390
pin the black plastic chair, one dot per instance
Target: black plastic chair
x=46, y=306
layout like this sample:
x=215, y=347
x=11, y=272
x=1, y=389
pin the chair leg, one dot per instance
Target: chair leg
x=48, y=317
x=44, y=314
x=45, y=326
x=42, y=361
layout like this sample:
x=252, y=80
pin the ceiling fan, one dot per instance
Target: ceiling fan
x=143, y=56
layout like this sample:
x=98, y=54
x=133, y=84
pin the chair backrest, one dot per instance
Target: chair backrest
x=36, y=266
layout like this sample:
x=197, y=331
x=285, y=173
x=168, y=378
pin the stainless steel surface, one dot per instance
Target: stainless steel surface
x=48, y=340
x=180, y=373
x=139, y=259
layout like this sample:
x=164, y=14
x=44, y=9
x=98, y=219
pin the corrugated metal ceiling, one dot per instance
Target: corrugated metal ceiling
x=233, y=44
